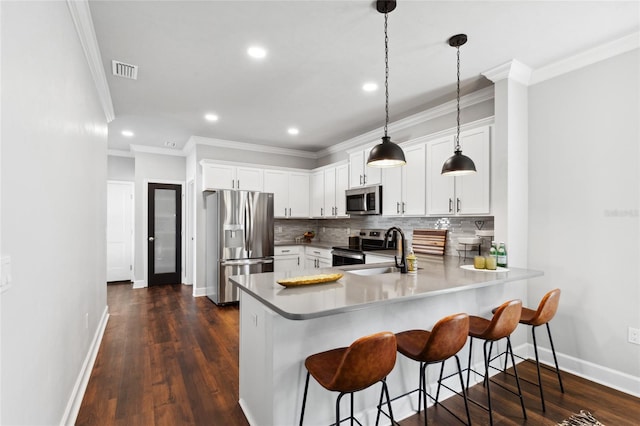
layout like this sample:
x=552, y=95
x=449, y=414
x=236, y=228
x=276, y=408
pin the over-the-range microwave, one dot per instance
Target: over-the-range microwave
x=367, y=200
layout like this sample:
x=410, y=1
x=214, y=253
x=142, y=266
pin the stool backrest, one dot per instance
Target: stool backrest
x=447, y=337
x=547, y=308
x=504, y=321
x=367, y=361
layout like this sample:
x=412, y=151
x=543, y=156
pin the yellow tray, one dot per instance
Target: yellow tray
x=309, y=279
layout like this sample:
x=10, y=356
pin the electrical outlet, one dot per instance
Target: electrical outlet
x=634, y=335
x=348, y=231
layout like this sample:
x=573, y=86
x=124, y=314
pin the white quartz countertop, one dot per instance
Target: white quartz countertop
x=436, y=276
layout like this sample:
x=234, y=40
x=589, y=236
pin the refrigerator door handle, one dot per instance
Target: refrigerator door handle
x=240, y=262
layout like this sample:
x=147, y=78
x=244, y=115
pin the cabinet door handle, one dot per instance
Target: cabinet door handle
x=285, y=212
x=289, y=211
x=403, y=207
x=457, y=205
x=397, y=207
x=321, y=211
x=233, y=184
x=450, y=205
x=286, y=251
x=360, y=179
x=298, y=260
x=365, y=178
x=238, y=183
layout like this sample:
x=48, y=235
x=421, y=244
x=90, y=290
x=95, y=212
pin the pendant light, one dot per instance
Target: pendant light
x=458, y=164
x=387, y=153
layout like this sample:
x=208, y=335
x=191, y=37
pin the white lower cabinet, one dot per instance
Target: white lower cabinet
x=288, y=258
x=315, y=258
x=461, y=195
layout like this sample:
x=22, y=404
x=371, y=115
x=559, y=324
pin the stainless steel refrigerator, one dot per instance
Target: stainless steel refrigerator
x=239, y=239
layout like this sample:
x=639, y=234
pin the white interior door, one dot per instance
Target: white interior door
x=119, y=231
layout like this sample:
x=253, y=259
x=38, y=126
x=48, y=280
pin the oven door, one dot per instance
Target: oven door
x=344, y=257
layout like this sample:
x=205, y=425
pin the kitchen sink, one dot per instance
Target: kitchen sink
x=374, y=271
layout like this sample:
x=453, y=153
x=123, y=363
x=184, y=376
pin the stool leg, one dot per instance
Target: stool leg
x=423, y=391
x=515, y=371
x=464, y=394
x=351, y=395
x=486, y=375
x=469, y=364
x=386, y=391
x=535, y=350
x=553, y=351
x=304, y=398
x=338, y=408
x=440, y=380
x=420, y=393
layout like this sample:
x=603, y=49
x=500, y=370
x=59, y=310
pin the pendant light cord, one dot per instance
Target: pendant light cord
x=458, y=103
x=386, y=76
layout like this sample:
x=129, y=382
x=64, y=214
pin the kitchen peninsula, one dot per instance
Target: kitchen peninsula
x=280, y=327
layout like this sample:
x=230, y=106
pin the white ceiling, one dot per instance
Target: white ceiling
x=192, y=59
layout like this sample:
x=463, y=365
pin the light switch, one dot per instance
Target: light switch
x=5, y=273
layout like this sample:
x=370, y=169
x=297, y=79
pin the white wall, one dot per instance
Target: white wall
x=583, y=209
x=53, y=211
x=121, y=168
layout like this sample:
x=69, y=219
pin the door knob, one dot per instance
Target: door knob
x=151, y=239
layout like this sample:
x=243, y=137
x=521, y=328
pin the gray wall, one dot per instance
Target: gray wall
x=121, y=168
x=53, y=198
x=154, y=168
x=583, y=208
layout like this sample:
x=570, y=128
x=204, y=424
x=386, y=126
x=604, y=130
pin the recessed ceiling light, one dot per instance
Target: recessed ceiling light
x=127, y=133
x=293, y=131
x=370, y=87
x=256, y=52
x=211, y=117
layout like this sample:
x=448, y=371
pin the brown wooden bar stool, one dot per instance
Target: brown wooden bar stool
x=347, y=370
x=504, y=322
x=444, y=341
x=546, y=311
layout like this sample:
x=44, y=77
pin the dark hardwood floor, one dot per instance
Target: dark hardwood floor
x=168, y=358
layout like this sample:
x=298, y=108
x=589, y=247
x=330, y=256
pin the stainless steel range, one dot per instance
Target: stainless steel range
x=368, y=240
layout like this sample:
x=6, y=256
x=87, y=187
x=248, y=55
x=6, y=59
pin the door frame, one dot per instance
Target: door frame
x=132, y=187
x=145, y=225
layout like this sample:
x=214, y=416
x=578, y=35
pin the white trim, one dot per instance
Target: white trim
x=221, y=143
x=588, y=57
x=77, y=394
x=199, y=291
x=81, y=15
x=132, y=187
x=139, y=284
x=513, y=70
x=120, y=153
x=466, y=101
x=157, y=150
x=208, y=161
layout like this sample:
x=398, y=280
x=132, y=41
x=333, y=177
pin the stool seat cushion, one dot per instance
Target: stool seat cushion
x=367, y=361
x=504, y=322
x=412, y=342
x=527, y=316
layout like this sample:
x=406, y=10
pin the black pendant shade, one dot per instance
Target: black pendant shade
x=386, y=154
x=458, y=165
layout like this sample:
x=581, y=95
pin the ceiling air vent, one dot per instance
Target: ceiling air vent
x=121, y=69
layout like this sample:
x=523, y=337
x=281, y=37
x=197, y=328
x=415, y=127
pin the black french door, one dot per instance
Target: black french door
x=164, y=227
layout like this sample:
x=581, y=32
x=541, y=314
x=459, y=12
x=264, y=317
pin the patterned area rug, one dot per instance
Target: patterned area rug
x=584, y=418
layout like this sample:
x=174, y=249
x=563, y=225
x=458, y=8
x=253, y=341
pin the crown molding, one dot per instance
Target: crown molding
x=513, y=70
x=588, y=57
x=156, y=150
x=443, y=109
x=221, y=143
x=119, y=153
x=81, y=16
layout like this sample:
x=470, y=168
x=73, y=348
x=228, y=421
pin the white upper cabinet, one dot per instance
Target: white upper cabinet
x=327, y=191
x=461, y=195
x=361, y=174
x=290, y=193
x=403, y=188
x=224, y=176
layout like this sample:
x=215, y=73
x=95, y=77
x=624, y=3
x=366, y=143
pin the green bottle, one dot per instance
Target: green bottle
x=493, y=252
x=502, y=255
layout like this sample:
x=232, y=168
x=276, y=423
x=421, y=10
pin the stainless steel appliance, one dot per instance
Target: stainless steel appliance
x=362, y=201
x=369, y=240
x=239, y=239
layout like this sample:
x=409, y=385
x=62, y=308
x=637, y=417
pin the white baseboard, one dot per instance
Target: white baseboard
x=139, y=284
x=75, y=400
x=199, y=291
x=596, y=373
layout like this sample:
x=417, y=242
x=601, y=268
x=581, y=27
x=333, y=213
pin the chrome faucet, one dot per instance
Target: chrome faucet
x=403, y=256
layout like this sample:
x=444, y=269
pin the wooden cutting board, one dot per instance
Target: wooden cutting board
x=429, y=241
